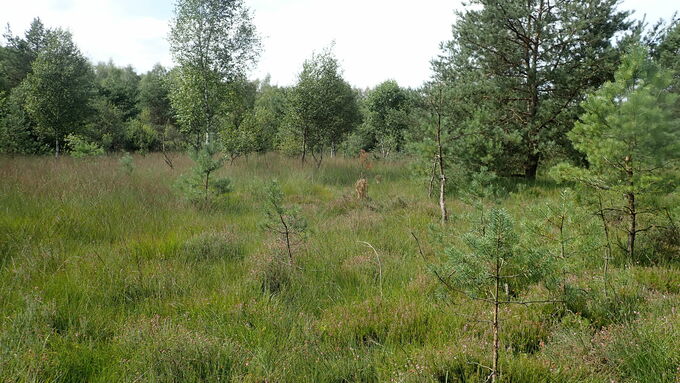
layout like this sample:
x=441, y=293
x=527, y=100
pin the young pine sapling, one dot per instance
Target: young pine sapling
x=200, y=184
x=494, y=272
x=283, y=221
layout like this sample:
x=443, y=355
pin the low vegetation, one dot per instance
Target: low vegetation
x=514, y=219
x=111, y=275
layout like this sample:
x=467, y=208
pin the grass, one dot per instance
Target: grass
x=112, y=276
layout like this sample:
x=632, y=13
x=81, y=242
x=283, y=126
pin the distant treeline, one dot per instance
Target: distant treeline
x=505, y=91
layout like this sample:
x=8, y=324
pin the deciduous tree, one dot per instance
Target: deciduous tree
x=214, y=42
x=59, y=88
x=323, y=108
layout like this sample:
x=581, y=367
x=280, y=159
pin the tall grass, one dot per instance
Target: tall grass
x=109, y=275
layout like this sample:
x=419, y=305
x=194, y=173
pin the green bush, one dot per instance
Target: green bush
x=127, y=163
x=80, y=148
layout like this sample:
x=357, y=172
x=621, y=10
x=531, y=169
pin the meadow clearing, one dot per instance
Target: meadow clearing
x=109, y=275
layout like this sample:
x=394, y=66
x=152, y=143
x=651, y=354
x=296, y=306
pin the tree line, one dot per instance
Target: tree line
x=505, y=91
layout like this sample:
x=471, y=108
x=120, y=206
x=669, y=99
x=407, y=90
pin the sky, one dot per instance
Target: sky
x=375, y=40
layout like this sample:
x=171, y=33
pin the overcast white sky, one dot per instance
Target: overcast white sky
x=375, y=40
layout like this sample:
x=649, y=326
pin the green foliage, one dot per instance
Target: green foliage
x=666, y=50
x=239, y=130
x=127, y=163
x=323, y=108
x=106, y=125
x=285, y=222
x=630, y=136
x=240, y=140
x=496, y=253
x=119, y=86
x=387, y=118
x=270, y=109
x=565, y=230
x=214, y=42
x=142, y=136
x=17, y=57
x=18, y=133
x=633, y=118
x=79, y=147
x=196, y=119
x=59, y=88
x=526, y=65
x=154, y=90
x=198, y=186
x=214, y=36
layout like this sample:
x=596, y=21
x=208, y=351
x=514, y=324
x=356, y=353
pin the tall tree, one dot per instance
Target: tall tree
x=59, y=88
x=630, y=134
x=270, y=109
x=388, y=109
x=18, y=56
x=154, y=95
x=536, y=59
x=238, y=130
x=667, y=50
x=120, y=86
x=323, y=107
x=214, y=42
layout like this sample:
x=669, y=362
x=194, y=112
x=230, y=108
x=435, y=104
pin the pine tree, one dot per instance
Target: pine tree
x=495, y=271
x=532, y=62
x=630, y=134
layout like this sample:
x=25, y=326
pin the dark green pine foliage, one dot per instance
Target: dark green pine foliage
x=667, y=52
x=529, y=63
x=630, y=134
x=18, y=132
x=18, y=55
x=495, y=272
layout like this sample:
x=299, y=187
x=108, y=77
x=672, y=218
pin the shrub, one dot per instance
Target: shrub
x=127, y=163
x=79, y=147
x=200, y=186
